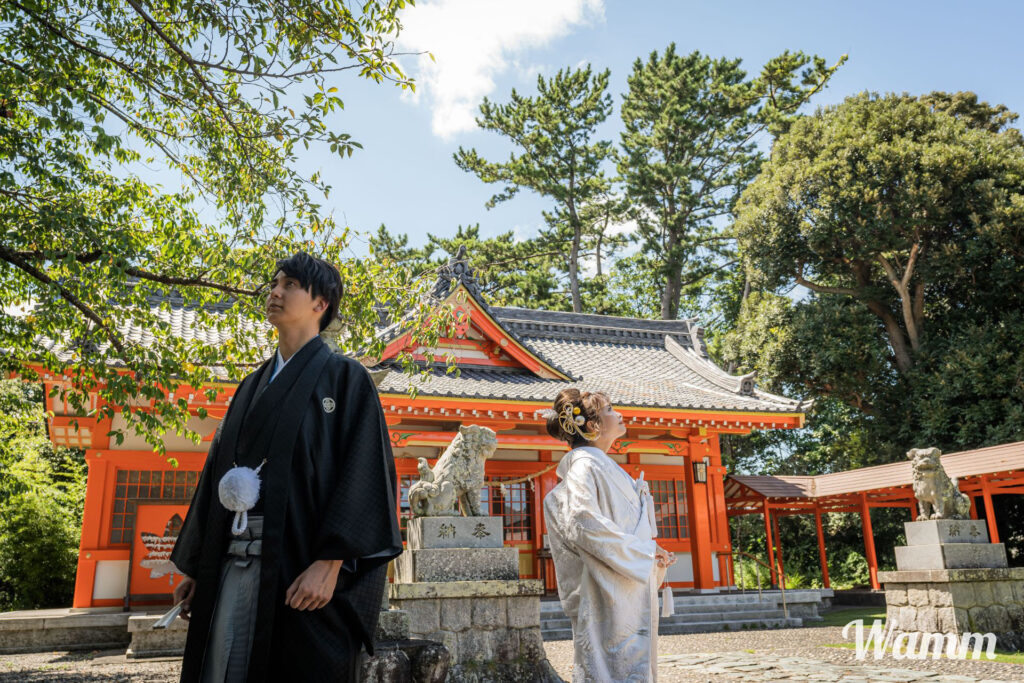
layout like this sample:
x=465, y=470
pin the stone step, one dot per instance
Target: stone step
x=457, y=564
x=752, y=615
x=731, y=625
x=557, y=634
x=63, y=629
x=555, y=624
x=701, y=617
x=686, y=602
x=393, y=625
x=684, y=608
x=666, y=629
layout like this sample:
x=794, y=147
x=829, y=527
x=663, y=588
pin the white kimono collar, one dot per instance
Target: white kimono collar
x=604, y=461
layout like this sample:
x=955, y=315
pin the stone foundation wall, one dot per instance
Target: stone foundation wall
x=483, y=628
x=957, y=601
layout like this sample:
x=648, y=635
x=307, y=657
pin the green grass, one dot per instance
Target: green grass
x=841, y=617
x=1000, y=655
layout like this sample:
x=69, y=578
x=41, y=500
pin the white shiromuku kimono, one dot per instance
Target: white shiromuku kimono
x=601, y=530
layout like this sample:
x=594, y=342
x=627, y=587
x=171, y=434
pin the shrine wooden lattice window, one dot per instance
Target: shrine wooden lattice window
x=133, y=485
x=514, y=505
x=670, y=509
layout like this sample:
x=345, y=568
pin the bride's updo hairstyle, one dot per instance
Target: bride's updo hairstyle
x=573, y=416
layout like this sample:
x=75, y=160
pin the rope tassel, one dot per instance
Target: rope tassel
x=239, y=490
x=668, y=602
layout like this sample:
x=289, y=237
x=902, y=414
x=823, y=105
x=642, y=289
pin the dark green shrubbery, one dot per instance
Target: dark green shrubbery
x=42, y=490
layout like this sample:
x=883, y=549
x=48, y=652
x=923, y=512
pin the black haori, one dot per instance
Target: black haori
x=329, y=493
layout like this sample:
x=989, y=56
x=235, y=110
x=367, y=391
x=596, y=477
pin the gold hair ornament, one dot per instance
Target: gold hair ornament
x=571, y=422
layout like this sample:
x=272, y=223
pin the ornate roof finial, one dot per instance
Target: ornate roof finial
x=456, y=271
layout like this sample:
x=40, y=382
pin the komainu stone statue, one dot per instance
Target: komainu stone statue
x=938, y=496
x=458, y=476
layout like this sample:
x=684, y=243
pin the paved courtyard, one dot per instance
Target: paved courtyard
x=754, y=656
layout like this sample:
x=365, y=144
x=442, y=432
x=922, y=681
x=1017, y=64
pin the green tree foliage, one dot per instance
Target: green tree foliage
x=101, y=100
x=42, y=490
x=555, y=156
x=690, y=147
x=902, y=217
x=901, y=207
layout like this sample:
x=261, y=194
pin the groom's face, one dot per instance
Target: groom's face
x=289, y=305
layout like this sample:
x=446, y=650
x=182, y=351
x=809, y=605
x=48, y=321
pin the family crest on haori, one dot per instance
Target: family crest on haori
x=458, y=476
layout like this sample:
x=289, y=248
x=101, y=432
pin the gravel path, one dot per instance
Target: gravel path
x=756, y=656
x=803, y=643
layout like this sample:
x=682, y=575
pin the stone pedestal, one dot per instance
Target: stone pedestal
x=950, y=579
x=460, y=586
x=949, y=544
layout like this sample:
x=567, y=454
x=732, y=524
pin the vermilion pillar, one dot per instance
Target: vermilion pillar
x=700, y=520
x=92, y=519
x=990, y=511
x=716, y=492
x=769, y=543
x=869, y=540
x=545, y=567
x=778, y=551
x=821, y=547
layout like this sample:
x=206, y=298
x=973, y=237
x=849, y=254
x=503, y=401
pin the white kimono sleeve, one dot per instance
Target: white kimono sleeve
x=594, y=534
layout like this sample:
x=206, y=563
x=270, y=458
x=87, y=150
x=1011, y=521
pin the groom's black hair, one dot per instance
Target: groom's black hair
x=318, y=277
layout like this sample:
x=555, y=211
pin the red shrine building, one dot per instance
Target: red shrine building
x=512, y=362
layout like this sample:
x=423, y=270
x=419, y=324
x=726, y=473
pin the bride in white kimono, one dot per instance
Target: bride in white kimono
x=601, y=530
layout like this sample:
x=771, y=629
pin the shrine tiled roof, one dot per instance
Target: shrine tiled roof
x=181, y=321
x=636, y=362
x=643, y=363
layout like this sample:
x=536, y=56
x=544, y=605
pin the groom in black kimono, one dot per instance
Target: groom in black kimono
x=298, y=594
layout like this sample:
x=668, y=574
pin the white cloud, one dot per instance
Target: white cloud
x=624, y=228
x=474, y=41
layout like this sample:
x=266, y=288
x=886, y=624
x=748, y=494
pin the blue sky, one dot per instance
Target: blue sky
x=405, y=176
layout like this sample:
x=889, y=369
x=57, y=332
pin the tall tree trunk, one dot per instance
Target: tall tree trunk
x=743, y=300
x=574, y=267
x=673, y=279
x=896, y=336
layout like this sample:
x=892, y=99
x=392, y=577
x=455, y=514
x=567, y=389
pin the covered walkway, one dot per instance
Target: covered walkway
x=981, y=474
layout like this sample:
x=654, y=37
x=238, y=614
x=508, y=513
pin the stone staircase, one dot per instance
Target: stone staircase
x=709, y=613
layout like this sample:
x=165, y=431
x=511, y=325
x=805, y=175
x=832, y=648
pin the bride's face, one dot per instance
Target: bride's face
x=611, y=423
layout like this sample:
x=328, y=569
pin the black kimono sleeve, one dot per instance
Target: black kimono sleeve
x=360, y=518
x=189, y=544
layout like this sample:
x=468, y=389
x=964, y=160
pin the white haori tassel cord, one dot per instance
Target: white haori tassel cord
x=239, y=489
